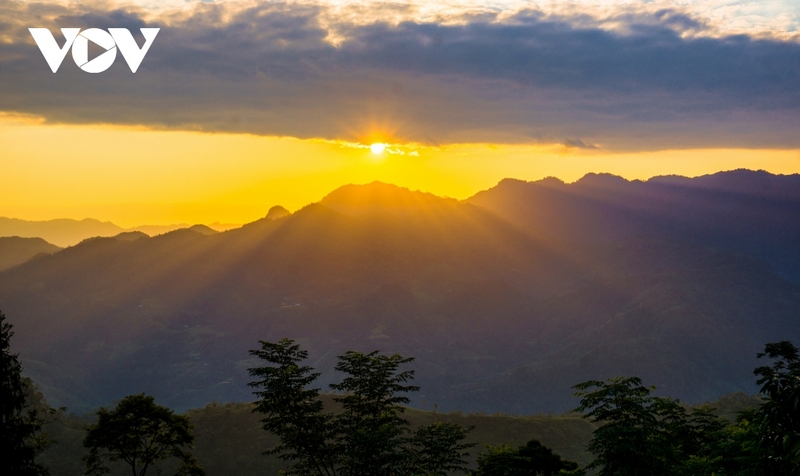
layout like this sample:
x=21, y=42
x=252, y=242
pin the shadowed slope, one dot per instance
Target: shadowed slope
x=756, y=213
x=499, y=318
x=15, y=250
x=173, y=314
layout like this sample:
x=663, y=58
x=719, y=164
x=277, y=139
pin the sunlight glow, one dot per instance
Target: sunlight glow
x=134, y=176
x=377, y=148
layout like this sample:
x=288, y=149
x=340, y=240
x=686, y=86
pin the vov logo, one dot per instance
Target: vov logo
x=111, y=40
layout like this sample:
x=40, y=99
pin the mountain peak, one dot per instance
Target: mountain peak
x=602, y=180
x=131, y=236
x=382, y=197
x=203, y=230
x=277, y=212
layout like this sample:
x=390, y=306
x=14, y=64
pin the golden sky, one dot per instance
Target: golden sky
x=134, y=176
x=244, y=104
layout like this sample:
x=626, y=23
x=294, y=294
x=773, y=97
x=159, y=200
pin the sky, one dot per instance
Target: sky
x=242, y=105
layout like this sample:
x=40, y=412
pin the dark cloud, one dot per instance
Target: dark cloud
x=272, y=69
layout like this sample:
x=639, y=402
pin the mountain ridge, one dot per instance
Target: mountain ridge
x=15, y=250
x=65, y=232
x=501, y=312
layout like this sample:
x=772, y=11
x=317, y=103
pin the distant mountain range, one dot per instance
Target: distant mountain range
x=67, y=232
x=506, y=299
x=755, y=213
x=15, y=250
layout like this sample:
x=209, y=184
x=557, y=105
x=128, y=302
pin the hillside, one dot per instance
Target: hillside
x=15, y=250
x=230, y=440
x=499, y=316
x=96, y=318
x=755, y=213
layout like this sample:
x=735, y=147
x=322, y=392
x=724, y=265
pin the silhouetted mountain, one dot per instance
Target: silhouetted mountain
x=378, y=197
x=131, y=236
x=67, y=232
x=203, y=230
x=277, y=212
x=187, y=307
x=755, y=213
x=502, y=314
x=61, y=232
x=15, y=250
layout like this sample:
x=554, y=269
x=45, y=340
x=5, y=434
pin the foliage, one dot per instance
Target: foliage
x=628, y=442
x=139, y=433
x=21, y=413
x=436, y=450
x=646, y=435
x=779, y=416
x=291, y=411
x=230, y=440
x=368, y=436
x=533, y=459
x=372, y=432
x=736, y=451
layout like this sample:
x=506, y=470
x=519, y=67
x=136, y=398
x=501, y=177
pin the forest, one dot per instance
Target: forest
x=362, y=426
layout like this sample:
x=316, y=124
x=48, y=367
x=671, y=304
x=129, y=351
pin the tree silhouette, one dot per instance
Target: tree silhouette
x=373, y=432
x=645, y=435
x=779, y=416
x=19, y=422
x=292, y=411
x=533, y=459
x=628, y=442
x=369, y=436
x=140, y=433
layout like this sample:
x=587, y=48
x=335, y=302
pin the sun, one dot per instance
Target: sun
x=377, y=148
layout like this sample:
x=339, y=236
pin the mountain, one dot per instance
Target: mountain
x=15, y=250
x=277, y=212
x=131, y=236
x=502, y=312
x=381, y=198
x=203, y=230
x=752, y=212
x=61, y=232
x=175, y=314
x=65, y=232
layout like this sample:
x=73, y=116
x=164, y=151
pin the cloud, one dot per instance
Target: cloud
x=293, y=69
x=578, y=144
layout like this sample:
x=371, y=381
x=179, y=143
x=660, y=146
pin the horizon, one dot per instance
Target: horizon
x=222, y=225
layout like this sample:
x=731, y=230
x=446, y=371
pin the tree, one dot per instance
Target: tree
x=372, y=431
x=645, y=435
x=736, y=451
x=627, y=443
x=533, y=459
x=141, y=434
x=436, y=450
x=779, y=416
x=368, y=436
x=291, y=411
x=20, y=422
x=690, y=441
